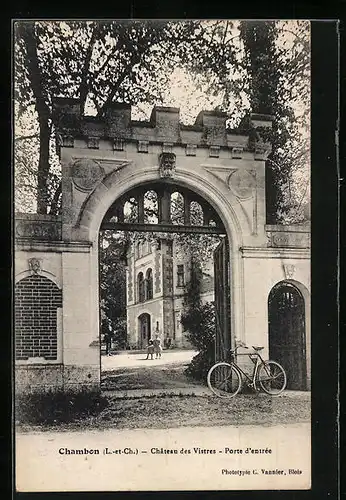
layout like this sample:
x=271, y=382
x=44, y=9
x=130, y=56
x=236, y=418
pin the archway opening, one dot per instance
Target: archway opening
x=144, y=329
x=287, y=333
x=157, y=263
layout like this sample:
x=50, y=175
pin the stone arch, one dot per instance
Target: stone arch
x=117, y=184
x=47, y=274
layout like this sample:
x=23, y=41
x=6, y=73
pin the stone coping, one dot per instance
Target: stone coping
x=37, y=217
x=289, y=228
x=209, y=129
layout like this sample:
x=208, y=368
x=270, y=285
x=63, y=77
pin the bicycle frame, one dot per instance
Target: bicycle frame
x=229, y=381
x=259, y=360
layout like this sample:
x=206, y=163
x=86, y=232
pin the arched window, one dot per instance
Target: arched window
x=196, y=213
x=149, y=284
x=151, y=207
x=141, y=287
x=130, y=210
x=177, y=208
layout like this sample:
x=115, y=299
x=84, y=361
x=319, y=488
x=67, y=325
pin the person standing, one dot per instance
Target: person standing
x=157, y=346
x=150, y=349
x=108, y=335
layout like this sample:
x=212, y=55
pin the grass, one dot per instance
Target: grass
x=86, y=411
x=58, y=407
x=169, y=411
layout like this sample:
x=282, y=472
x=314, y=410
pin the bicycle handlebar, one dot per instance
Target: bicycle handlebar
x=234, y=351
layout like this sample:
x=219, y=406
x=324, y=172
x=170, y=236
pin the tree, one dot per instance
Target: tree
x=113, y=249
x=98, y=63
x=264, y=67
x=278, y=80
x=236, y=65
x=198, y=320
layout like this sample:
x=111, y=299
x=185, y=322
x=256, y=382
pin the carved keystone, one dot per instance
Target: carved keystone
x=289, y=270
x=167, y=165
x=34, y=265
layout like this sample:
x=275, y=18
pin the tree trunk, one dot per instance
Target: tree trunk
x=54, y=206
x=27, y=32
x=43, y=167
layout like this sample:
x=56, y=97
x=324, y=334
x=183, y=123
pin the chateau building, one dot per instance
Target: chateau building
x=158, y=272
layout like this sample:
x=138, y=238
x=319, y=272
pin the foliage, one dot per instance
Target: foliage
x=200, y=323
x=278, y=80
x=98, y=62
x=58, y=407
x=229, y=65
x=113, y=250
x=198, y=320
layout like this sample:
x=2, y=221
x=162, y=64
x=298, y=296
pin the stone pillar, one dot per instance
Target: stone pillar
x=81, y=356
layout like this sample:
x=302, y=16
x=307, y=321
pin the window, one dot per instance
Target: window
x=141, y=286
x=180, y=275
x=170, y=248
x=149, y=284
x=177, y=320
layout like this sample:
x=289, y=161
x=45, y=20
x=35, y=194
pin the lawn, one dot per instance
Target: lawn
x=169, y=411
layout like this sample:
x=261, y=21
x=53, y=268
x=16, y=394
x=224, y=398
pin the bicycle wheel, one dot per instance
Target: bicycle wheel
x=271, y=378
x=224, y=380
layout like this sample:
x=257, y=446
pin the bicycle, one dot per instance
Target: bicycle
x=225, y=379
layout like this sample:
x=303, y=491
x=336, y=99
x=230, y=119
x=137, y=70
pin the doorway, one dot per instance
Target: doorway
x=165, y=237
x=287, y=333
x=144, y=330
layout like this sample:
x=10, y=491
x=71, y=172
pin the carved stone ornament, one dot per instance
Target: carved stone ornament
x=167, y=147
x=143, y=146
x=86, y=173
x=93, y=142
x=242, y=183
x=46, y=230
x=237, y=152
x=261, y=151
x=214, y=151
x=34, y=265
x=118, y=145
x=167, y=165
x=191, y=149
x=289, y=270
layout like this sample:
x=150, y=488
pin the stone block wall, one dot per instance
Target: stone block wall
x=39, y=378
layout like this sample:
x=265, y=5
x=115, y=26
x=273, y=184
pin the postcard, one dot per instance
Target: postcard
x=162, y=255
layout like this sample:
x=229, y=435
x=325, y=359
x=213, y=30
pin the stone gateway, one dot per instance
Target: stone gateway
x=267, y=268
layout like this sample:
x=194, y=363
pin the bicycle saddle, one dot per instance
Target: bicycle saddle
x=257, y=348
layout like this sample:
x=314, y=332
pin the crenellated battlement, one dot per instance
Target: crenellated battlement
x=163, y=127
